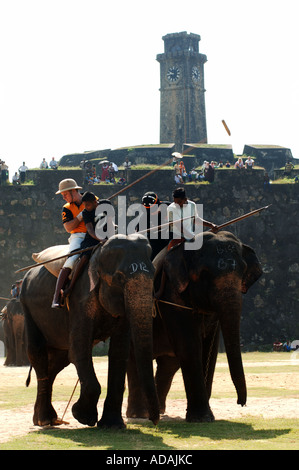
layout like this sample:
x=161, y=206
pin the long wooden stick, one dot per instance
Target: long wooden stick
x=69, y=401
x=67, y=255
x=249, y=214
x=230, y=222
x=141, y=178
x=173, y=155
x=77, y=252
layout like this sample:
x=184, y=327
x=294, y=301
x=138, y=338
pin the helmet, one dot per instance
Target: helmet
x=149, y=199
x=67, y=185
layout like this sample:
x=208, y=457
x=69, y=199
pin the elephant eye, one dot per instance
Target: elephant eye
x=118, y=278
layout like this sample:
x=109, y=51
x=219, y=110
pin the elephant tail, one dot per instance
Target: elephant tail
x=29, y=377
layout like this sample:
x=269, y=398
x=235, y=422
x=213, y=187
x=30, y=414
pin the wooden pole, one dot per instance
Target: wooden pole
x=141, y=178
x=238, y=219
x=219, y=227
x=67, y=255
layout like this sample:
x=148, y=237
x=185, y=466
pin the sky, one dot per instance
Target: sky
x=80, y=75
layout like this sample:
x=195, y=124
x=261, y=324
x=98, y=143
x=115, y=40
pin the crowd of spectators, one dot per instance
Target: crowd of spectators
x=106, y=172
x=19, y=176
x=205, y=173
x=53, y=165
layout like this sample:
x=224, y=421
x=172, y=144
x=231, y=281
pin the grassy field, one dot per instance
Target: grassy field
x=269, y=422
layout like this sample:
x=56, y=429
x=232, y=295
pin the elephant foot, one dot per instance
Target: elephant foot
x=111, y=422
x=155, y=418
x=47, y=418
x=207, y=417
x=84, y=415
x=143, y=414
x=139, y=413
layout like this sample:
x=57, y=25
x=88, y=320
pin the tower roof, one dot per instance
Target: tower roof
x=178, y=42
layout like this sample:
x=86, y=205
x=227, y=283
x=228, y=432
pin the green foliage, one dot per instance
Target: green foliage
x=147, y=166
x=284, y=180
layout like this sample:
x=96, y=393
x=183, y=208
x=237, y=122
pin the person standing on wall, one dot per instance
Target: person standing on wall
x=22, y=172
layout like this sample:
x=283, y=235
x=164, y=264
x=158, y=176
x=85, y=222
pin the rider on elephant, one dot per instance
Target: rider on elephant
x=155, y=216
x=183, y=208
x=92, y=218
x=73, y=223
x=182, y=230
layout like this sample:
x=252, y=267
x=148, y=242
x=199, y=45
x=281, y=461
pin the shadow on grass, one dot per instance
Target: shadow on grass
x=110, y=439
x=148, y=437
x=220, y=430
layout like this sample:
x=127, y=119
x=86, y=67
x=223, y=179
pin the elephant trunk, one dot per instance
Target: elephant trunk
x=138, y=301
x=230, y=326
x=233, y=352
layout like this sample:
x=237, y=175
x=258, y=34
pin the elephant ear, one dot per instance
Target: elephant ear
x=92, y=304
x=253, y=270
x=176, y=270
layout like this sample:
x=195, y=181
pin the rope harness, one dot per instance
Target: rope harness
x=156, y=308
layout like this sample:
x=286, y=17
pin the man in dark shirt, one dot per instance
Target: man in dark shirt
x=155, y=216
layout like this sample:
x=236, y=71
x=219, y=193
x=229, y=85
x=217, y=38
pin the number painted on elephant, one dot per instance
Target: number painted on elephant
x=227, y=248
x=141, y=266
x=228, y=263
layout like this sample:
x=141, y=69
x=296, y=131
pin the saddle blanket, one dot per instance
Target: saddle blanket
x=51, y=253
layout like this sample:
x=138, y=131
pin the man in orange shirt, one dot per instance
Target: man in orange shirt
x=73, y=223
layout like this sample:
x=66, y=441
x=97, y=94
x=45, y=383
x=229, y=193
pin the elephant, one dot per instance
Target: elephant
x=14, y=334
x=112, y=298
x=203, y=288
x=2, y=331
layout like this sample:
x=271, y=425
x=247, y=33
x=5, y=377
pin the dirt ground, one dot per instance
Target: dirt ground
x=18, y=421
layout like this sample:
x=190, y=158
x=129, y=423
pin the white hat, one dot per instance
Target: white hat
x=67, y=185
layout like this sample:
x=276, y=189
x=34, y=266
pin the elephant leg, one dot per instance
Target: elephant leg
x=209, y=356
x=167, y=366
x=85, y=409
x=9, y=346
x=118, y=359
x=18, y=332
x=186, y=337
x=198, y=409
x=80, y=353
x=44, y=413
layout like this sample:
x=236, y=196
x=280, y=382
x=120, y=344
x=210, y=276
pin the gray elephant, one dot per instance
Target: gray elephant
x=203, y=294
x=13, y=323
x=2, y=333
x=112, y=298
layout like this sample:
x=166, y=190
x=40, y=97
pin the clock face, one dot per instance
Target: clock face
x=173, y=74
x=195, y=74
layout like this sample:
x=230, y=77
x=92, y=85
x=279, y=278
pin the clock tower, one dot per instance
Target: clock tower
x=182, y=100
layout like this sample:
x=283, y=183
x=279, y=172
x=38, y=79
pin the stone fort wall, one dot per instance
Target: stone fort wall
x=30, y=221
